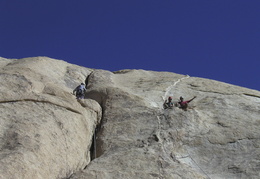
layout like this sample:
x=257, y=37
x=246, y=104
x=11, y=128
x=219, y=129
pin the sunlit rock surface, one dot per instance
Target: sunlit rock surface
x=46, y=133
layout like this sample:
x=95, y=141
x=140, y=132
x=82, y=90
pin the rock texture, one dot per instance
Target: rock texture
x=46, y=133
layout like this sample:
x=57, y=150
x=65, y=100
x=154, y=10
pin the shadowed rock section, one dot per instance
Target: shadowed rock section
x=46, y=133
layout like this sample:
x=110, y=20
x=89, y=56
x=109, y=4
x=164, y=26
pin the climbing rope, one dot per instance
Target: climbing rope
x=167, y=93
x=197, y=164
x=95, y=152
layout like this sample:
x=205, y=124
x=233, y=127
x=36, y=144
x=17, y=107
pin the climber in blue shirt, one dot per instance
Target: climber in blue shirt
x=80, y=91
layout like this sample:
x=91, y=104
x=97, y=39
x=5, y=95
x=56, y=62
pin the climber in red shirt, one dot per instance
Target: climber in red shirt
x=184, y=104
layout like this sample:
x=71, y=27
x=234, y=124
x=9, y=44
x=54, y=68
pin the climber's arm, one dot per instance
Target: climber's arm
x=192, y=99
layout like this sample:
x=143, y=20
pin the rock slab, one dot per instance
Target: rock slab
x=44, y=131
x=121, y=129
x=217, y=137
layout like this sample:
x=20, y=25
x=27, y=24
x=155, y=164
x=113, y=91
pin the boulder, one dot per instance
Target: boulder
x=121, y=129
x=44, y=131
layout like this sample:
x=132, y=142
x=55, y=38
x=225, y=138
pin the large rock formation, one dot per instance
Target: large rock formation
x=46, y=133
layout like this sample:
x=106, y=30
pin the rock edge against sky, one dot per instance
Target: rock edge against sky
x=47, y=133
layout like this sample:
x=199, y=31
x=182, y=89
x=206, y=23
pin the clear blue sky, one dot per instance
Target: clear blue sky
x=214, y=39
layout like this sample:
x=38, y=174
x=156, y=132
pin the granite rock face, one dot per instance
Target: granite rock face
x=46, y=133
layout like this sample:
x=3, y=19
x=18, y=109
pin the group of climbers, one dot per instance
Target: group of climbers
x=81, y=89
x=181, y=103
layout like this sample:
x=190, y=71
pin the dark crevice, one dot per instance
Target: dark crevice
x=235, y=169
x=96, y=146
x=238, y=140
x=251, y=95
x=222, y=124
x=93, y=150
x=40, y=101
x=87, y=79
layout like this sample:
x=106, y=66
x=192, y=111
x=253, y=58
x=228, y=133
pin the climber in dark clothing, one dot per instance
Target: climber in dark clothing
x=168, y=104
x=184, y=104
x=80, y=91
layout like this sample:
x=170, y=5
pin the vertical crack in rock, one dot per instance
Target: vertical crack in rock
x=87, y=79
x=95, y=151
x=96, y=147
